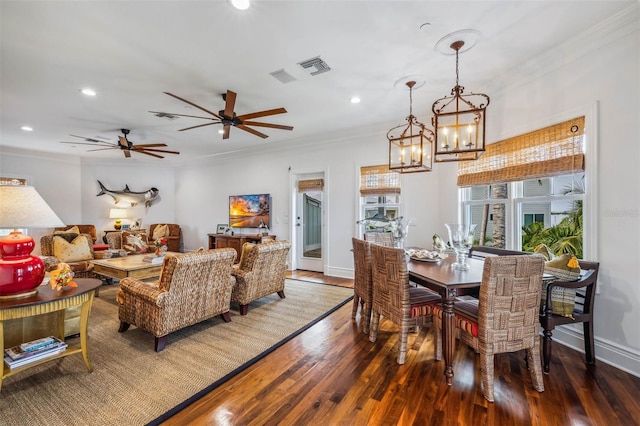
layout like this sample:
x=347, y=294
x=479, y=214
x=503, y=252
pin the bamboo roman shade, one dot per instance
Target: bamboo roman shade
x=379, y=180
x=310, y=185
x=551, y=151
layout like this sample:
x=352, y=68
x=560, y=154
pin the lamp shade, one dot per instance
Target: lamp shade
x=22, y=207
x=117, y=213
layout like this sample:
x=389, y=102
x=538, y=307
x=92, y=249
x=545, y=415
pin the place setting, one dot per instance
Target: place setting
x=425, y=255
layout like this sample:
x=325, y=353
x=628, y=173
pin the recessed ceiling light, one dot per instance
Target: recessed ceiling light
x=355, y=100
x=88, y=92
x=240, y=4
x=27, y=128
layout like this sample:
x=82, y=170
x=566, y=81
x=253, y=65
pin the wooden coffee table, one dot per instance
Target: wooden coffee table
x=128, y=266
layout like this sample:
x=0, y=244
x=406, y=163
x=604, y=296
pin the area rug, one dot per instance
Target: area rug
x=133, y=385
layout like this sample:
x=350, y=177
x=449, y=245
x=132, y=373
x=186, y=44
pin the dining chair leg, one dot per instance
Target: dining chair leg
x=546, y=350
x=487, y=373
x=533, y=356
x=589, y=347
x=404, y=337
x=373, y=328
x=356, y=303
x=365, y=317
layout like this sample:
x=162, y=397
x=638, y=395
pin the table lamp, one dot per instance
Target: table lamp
x=117, y=214
x=22, y=207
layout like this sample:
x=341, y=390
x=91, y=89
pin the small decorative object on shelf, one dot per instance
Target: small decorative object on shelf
x=61, y=277
x=461, y=238
x=161, y=246
x=264, y=229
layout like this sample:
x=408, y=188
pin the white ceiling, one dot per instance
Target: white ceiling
x=131, y=52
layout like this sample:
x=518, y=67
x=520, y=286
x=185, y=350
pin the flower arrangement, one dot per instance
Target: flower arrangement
x=161, y=242
x=62, y=276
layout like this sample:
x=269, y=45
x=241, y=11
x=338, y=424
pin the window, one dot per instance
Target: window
x=379, y=197
x=529, y=190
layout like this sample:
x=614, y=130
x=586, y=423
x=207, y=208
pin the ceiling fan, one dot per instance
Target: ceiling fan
x=125, y=145
x=228, y=117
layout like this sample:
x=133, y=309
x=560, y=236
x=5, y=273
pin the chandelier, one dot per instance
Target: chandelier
x=459, y=121
x=410, y=144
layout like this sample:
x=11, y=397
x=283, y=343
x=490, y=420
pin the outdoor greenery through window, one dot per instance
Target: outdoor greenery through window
x=529, y=190
x=379, y=197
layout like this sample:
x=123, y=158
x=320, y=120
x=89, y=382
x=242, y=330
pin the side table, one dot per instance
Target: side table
x=45, y=301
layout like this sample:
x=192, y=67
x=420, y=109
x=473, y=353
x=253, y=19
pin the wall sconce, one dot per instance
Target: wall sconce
x=410, y=145
x=459, y=121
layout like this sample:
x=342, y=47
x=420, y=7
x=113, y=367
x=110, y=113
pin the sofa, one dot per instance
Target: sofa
x=192, y=288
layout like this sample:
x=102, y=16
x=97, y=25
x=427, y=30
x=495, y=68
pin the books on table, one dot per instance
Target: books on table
x=36, y=350
x=154, y=260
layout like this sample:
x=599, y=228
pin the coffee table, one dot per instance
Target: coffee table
x=128, y=266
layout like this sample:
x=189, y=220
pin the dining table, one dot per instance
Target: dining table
x=449, y=283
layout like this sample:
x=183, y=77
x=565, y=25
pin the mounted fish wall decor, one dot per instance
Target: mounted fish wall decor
x=128, y=196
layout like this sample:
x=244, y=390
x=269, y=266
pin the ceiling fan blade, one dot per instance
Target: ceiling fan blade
x=102, y=149
x=225, y=132
x=112, y=145
x=199, y=125
x=88, y=139
x=262, y=113
x=123, y=141
x=144, y=145
x=273, y=126
x=157, y=150
x=181, y=115
x=148, y=153
x=230, y=103
x=193, y=105
x=127, y=153
x=250, y=130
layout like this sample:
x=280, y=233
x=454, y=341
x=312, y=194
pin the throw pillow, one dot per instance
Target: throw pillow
x=72, y=230
x=133, y=243
x=244, y=256
x=544, y=251
x=77, y=250
x=564, y=267
x=160, y=231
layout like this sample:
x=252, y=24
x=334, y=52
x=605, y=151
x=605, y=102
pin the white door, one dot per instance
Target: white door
x=309, y=227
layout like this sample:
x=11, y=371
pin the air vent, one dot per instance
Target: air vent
x=314, y=66
x=166, y=116
x=282, y=76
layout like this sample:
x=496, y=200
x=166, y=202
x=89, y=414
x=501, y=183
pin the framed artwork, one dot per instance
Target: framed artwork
x=221, y=228
x=125, y=227
x=136, y=223
x=248, y=211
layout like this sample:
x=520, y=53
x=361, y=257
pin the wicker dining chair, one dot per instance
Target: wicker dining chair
x=362, y=283
x=506, y=317
x=394, y=299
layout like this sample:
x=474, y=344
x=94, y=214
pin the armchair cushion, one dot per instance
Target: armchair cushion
x=79, y=229
x=160, y=231
x=134, y=243
x=73, y=230
x=77, y=250
x=244, y=256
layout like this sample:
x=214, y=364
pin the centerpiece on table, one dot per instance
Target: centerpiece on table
x=161, y=246
x=62, y=277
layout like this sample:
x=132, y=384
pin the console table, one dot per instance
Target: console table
x=13, y=312
x=234, y=241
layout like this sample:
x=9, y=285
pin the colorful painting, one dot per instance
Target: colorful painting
x=246, y=211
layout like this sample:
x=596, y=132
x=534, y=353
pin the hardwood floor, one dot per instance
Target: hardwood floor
x=332, y=375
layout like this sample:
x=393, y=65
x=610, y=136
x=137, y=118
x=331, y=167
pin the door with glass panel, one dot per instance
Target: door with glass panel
x=309, y=223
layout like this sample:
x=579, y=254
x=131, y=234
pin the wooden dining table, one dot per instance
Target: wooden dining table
x=449, y=283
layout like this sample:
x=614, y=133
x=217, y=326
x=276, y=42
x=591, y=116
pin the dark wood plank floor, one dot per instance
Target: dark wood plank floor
x=332, y=375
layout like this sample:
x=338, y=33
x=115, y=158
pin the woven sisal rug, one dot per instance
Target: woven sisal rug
x=133, y=385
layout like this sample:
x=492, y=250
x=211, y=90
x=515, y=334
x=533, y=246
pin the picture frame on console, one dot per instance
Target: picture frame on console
x=136, y=223
x=221, y=228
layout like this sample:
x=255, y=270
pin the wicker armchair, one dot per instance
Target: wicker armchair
x=394, y=299
x=363, y=282
x=505, y=319
x=261, y=271
x=173, y=239
x=192, y=288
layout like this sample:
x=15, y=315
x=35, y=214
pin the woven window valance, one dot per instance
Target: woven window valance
x=310, y=185
x=551, y=151
x=379, y=180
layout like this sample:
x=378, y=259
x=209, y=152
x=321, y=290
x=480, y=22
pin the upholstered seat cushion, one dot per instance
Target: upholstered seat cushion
x=465, y=312
x=422, y=301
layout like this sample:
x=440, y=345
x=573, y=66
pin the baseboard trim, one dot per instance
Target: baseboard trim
x=339, y=272
x=608, y=352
